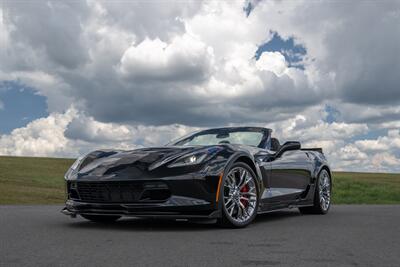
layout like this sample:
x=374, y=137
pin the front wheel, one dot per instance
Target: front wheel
x=239, y=196
x=101, y=218
x=322, y=196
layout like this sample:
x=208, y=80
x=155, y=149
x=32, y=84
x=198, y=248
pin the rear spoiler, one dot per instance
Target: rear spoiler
x=317, y=149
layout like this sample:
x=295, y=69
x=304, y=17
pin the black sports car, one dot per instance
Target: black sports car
x=226, y=174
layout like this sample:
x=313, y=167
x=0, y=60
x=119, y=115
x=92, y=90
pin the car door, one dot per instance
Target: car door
x=290, y=175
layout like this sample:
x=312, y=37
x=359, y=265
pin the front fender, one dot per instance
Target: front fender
x=247, y=158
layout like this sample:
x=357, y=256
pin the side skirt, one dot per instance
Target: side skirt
x=306, y=201
x=282, y=208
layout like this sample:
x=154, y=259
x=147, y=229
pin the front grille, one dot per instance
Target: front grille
x=119, y=191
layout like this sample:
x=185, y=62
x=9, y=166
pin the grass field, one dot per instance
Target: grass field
x=32, y=180
x=25, y=180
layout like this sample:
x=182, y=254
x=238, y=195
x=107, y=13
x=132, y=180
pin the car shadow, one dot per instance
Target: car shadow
x=141, y=224
x=163, y=225
x=276, y=216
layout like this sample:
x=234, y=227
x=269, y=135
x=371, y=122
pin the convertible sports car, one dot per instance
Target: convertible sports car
x=228, y=175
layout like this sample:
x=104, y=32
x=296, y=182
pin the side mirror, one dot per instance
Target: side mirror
x=289, y=145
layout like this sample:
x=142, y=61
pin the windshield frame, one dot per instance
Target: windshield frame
x=263, y=142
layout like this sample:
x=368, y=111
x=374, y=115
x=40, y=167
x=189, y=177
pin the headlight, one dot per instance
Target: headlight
x=190, y=159
x=77, y=162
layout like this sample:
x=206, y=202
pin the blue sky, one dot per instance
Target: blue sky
x=292, y=52
x=21, y=105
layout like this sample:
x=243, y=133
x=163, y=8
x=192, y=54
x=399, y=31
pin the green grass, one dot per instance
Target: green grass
x=25, y=180
x=366, y=188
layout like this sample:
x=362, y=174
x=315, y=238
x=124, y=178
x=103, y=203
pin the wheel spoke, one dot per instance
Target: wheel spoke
x=248, y=179
x=228, y=186
x=231, y=180
x=245, y=198
x=228, y=202
x=247, y=194
x=240, y=211
x=242, y=173
x=231, y=208
x=252, y=204
x=243, y=209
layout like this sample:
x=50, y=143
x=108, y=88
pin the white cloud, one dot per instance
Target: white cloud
x=184, y=59
x=384, y=160
x=272, y=61
x=383, y=143
x=373, y=145
x=42, y=137
x=350, y=152
x=89, y=130
x=308, y=129
x=71, y=134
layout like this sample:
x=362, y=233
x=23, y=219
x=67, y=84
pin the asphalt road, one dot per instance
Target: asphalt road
x=347, y=236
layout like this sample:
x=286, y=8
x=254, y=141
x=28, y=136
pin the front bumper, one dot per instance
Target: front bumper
x=191, y=196
x=175, y=207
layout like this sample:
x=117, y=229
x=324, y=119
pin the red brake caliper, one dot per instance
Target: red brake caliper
x=244, y=190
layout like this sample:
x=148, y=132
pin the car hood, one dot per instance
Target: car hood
x=105, y=162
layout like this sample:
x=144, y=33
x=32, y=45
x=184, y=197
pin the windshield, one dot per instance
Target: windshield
x=243, y=136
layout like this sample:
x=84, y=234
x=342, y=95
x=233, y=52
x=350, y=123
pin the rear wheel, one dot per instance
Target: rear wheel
x=322, y=196
x=239, y=196
x=101, y=218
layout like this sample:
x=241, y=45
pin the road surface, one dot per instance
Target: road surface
x=354, y=235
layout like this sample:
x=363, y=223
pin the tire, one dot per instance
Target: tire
x=320, y=206
x=101, y=218
x=239, y=196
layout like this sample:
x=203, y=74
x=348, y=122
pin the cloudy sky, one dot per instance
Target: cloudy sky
x=82, y=75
